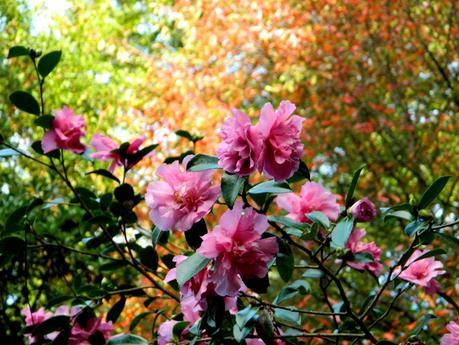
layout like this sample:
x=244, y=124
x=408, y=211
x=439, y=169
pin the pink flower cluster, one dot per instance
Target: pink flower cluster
x=452, y=338
x=238, y=249
x=313, y=197
x=182, y=199
x=422, y=272
x=79, y=334
x=356, y=246
x=273, y=146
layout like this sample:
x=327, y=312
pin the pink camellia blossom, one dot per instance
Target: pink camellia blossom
x=363, y=210
x=357, y=246
x=67, y=129
x=80, y=334
x=195, y=292
x=165, y=332
x=34, y=318
x=282, y=147
x=421, y=272
x=238, y=249
x=104, y=147
x=183, y=198
x=313, y=197
x=241, y=145
x=452, y=338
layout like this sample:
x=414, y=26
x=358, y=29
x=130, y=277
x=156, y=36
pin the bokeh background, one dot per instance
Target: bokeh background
x=377, y=82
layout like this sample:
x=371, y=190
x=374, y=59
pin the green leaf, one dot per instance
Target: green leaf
x=58, y=300
x=405, y=215
x=45, y=121
x=415, y=227
x=137, y=319
x=231, y=185
x=112, y=266
x=190, y=267
x=297, y=287
x=25, y=102
x=127, y=339
x=193, y=235
x=433, y=191
x=319, y=218
x=270, y=187
x=288, y=222
x=433, y=252
x=4, y=153
x=149, y=257
x=290, y=317
x=48, y=62
x=12, y=245
x=202, y=162
x=350, y=193
x=285, y=261
x=17, y=51
x=313, y=273
x=245, y=315
x=448, y=238
x=105, y=173
x=341, y=233
x=301, y=174
x=179, y=327
x=188, y=135
x=52, y=324
x=115, y=311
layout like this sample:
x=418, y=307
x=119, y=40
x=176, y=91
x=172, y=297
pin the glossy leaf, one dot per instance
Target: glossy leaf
x=350, y=193
x=433, y=191
x=116, y=310
x=190, y=267
x=202, y=162
x=230, y=186
x=48, y=62
x=341, y=233
x=25, y=102
x=127, y=339
x=270, y=187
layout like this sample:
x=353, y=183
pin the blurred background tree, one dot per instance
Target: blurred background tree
x=377, y=81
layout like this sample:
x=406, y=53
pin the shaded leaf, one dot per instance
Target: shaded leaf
x=230, y=186
x=432, y=192
x=45, y=121
x=202, y=162
x=105, y=173
x=116, y=310
x=48, y=62
x=25, y=102
x=54, y=323
x=137, y=319
x=350, y=193
x=17, y=51
x=193, y=235
x=284, y=261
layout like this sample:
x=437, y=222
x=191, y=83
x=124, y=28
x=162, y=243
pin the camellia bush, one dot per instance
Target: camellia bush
x=234, y=239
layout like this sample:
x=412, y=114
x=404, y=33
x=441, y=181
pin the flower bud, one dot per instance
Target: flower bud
x=363, y=210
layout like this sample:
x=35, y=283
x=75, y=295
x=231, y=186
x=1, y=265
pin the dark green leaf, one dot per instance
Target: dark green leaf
x=112, y=266
x=258, y=285
x=288, y=222
x=8, y=153
x=301, y=174
x=432, y=192
x=341, y=233
x=270, y=187
x=188, y=135
x=149, y=257
x=415, y=227
x=398, y=214
x=105, y=173
x=45, y=121
x=127, y=339
x=448, y=238
x=190, y=267
x=26, y=102
x=54, y=323
x=265, y=328
x=124, y=192
x=115, y=311
x=319, y=218
x=179, y=327
x=350, y=193
x=58, y=300
x=193, y=235
x=385, y=342
x=284, y=261
x=230, y=186
x=202, y=162
x=12, y=245
x=48, y=62
x=17, y=51
x=155, y=236
x=137, y=319
x=292, y=290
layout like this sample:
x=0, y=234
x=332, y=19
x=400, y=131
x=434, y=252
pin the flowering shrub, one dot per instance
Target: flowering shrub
x=223, y=279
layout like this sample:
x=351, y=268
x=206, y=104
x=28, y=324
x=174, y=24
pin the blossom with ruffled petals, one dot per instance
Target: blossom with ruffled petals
x=183, y=198
x=80, y=334
x=165, y=332
x=238, y=249
x=313, y=197
x=452, y=338
x=105, y=150
x=67, y=129
x=282, y=147
x=363, y=210
x=241, y=145
x=357, y=246
x=421, y=272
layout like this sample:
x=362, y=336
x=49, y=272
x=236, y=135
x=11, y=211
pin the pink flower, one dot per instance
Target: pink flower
x=363, y=210
x=313, y=197
x=80, y=334
x=452, y=338
x=67, y=129
x=421, y=272
x=238, y=249
x=182, y=199
x=165, y=332
x=241, y=146
x=356, y=246
x=194, y=293
x=282, y=147
x=104, y=150
x=35, y=318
